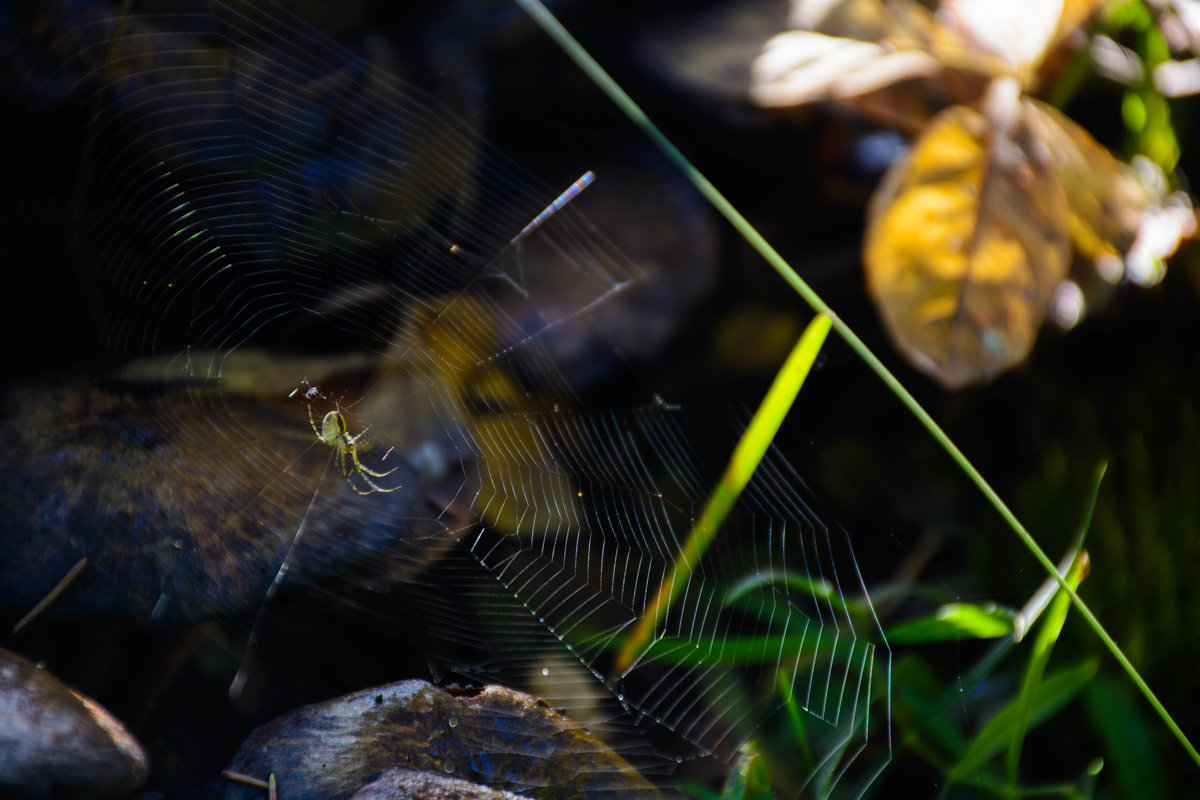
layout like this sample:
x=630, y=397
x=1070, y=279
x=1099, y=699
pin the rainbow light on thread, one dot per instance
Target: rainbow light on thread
x=560, y=201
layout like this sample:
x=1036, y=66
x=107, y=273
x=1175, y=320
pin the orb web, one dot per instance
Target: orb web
x=276, y=228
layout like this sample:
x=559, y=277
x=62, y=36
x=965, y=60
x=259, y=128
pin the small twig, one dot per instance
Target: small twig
x=272, y=789
x=238, y=777
x=52, y=595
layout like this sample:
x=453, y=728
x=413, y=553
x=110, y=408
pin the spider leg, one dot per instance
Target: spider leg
x=366, y=472
x=313, y=423
x=358, y=465
x=365, y=492
x=347, y=465
x=374, y=486
x=343, y=463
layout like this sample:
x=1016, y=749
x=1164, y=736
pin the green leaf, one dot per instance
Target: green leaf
x=1039, y=657
x=817, y=587
x=954, y=622
x=763, y=591
x=920, y=710
x=787, y=691
x=697, y=791
x=748, y=780
x=1136, y=764
x=753, y=650
x=1052, y=694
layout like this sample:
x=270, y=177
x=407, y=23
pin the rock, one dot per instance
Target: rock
x=402, y=784
x=185, y=499
x=55, y=742
x=494, y=735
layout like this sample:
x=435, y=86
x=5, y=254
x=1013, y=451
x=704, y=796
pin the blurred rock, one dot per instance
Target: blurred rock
x=494, y=735
x=401, y=784
x=608, y=304
x=187, y=499
x=55, y=742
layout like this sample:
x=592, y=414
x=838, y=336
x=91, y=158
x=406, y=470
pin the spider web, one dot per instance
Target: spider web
x=276, y=227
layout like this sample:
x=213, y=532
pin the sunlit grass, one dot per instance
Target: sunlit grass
x=745, y=459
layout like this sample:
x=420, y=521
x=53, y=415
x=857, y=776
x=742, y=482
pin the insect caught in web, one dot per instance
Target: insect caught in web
x=334, y=432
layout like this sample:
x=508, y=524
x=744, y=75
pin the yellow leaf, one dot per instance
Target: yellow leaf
x=449, y=342
x=966, y=242
x=512, y=455
x=1106, y=200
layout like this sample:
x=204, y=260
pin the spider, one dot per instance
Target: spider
x=333, y=433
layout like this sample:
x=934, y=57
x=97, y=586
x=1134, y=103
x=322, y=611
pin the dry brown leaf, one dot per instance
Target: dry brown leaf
x=1025, y=33
x=1106, y=200
x=1075, y=14
x=850, y=50
x=966, y=242
x=1019, y=31
x=899, y=25
x=800, y=67
x=969, y=237
x=891, y=61
x=868, y=20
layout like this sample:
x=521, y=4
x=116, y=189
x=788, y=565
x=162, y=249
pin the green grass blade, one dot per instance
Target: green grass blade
x=748, y=780
x=696, y=790
x=1039, y=658
x=932, y=713
x=749, y=451
x=955, y=622
x=816, y=587
x=604, y=81
x=1052, y=694
x=787, y=690
x=1129, y=746
x=1049, y=632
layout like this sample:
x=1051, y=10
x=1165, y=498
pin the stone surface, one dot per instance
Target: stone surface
x=494, y=736
x=55, y=742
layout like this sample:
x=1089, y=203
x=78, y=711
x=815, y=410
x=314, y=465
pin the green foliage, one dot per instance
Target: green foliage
x=748, y=780
x=1146, y=113
x=1136, y=764
x=953, y=622
x=1018, y=716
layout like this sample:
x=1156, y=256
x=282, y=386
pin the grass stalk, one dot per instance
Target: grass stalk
x=1035, y=671
x=751, y=448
